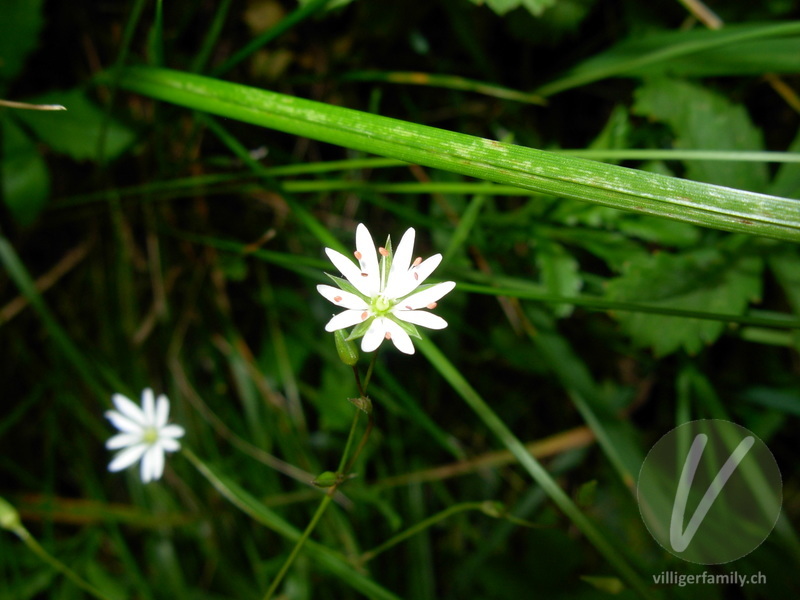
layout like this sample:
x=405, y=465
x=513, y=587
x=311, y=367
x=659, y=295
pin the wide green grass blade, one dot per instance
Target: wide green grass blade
x=658, y=54
x=546, y=172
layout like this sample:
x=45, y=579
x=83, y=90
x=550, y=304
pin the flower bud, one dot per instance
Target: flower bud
x=326, y=479
x=9, y=517
x=348, y=351
x=363, y=403
x=494, y=509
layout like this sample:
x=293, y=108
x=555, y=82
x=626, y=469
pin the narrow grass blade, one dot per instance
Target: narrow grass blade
x=654, y=54
x=447, y=370
x=328, y=559
x=19, y=274
x=451, y=82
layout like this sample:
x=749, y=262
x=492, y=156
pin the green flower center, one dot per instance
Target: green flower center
x=150, y=435
x=381, y=305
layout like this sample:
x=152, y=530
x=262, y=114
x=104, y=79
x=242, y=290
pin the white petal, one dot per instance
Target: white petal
x=345, y=299
x=127, y=457
x=123, y=423
x=400, y=338
x=366, y=283
x=169, y=445
x=415, y=276
x=366, y=248
x=171, y=431
x=128, y=408
x=123, y=440
x=421, y=317
x=401, y=260
x=346, y=319
x=375, y=334
x=162, y=411
x=152, y=464
x=148, y=406
x=425, y=297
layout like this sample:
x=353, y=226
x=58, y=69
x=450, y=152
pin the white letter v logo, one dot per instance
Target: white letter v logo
x=680, y=540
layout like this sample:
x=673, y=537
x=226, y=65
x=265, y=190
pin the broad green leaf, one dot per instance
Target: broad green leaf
x=787, y=179
x=500, y=7
x=703, y=119
x=707, y=279
x=77, y=132
x=560, y=273
x=20, y=24
x=545, y=172
x=23, y=172
x=786, y=268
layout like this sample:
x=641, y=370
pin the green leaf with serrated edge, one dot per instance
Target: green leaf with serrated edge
x=703, y=119
x=345, y=285
x=707, y=279
x=560, y=273
x=360, y=329
x=409, y=328
x=499, y=7
x=537, y=7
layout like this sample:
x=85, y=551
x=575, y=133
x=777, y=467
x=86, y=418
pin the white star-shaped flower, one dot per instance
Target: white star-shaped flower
x=144, y=434
x=384, y=299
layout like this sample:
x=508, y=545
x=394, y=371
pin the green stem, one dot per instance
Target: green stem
x=349, y=442
x=362, y=443
x=326, y=500
x=303, y=12
x=341, y=472
x=424, y=524
x=37, y=549
x=369, y=371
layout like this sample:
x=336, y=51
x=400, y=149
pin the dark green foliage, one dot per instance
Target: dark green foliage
x=146, y=244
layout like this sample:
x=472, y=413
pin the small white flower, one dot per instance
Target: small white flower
x=144, y=434
x=383, y=300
